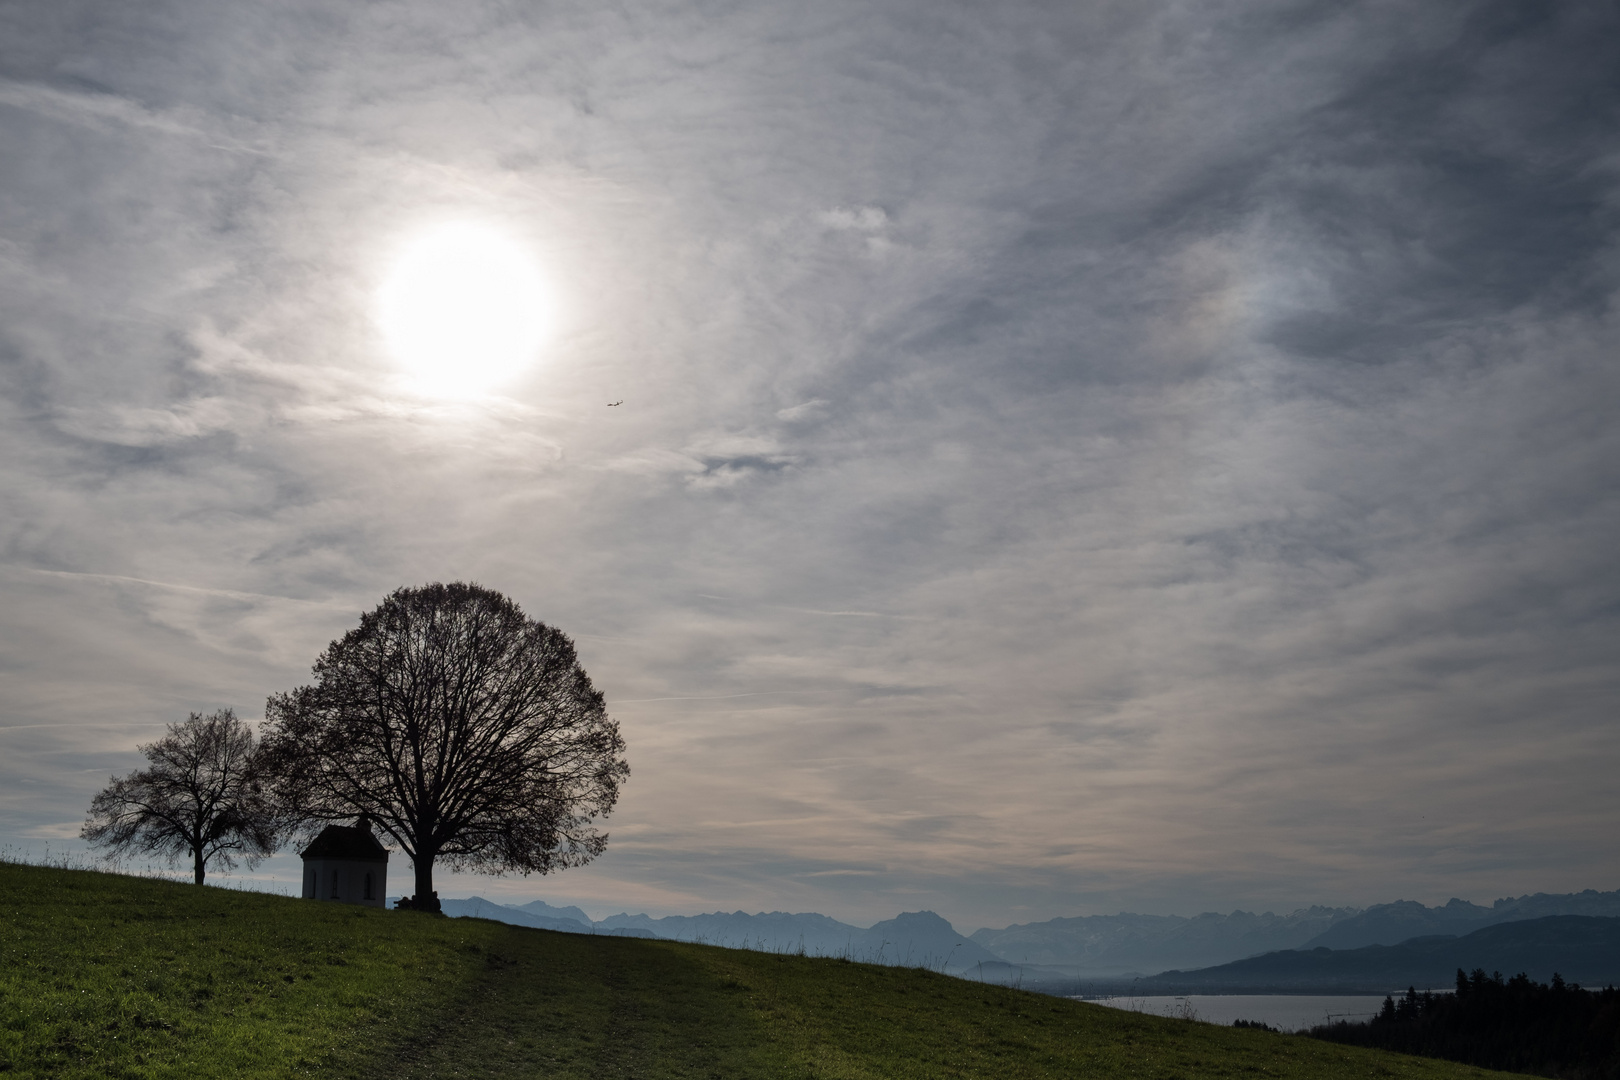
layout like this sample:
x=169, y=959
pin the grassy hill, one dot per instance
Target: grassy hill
x=107, y=976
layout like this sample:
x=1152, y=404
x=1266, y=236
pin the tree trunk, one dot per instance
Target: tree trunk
x=426, y=898
x=197, y=863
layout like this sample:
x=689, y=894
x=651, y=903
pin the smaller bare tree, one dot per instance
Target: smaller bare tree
x=201, y=796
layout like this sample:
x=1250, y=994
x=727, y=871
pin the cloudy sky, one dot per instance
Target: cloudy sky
x=1074, y=456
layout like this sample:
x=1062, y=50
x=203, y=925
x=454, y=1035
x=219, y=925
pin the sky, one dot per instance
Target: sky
x=1074, y=457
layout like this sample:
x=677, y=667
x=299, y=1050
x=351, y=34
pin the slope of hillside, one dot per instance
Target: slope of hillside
x=104, y=976
x=1581, y=948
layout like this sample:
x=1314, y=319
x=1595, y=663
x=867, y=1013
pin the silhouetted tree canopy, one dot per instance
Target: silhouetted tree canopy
x=202, y=795
x=466, y=730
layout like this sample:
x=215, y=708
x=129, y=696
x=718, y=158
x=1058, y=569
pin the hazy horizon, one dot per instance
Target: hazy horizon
x=516, y=891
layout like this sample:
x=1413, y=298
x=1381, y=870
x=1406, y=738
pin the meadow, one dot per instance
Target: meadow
x=112, y=976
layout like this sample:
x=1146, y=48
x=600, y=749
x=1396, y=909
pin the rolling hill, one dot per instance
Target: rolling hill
x=110, y=976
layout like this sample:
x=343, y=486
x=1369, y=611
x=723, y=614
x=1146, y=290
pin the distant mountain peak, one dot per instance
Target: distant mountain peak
x=917, y=917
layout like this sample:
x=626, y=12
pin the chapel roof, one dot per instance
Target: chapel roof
x=346, y=842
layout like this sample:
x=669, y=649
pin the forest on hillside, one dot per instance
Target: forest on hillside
x=1554, y=1029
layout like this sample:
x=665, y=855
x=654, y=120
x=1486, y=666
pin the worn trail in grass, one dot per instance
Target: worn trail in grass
x=104, y=976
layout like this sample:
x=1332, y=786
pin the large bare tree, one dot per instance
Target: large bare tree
x=202, y=795
x=466, y=730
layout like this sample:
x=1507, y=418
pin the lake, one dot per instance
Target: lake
x=1288, y=1012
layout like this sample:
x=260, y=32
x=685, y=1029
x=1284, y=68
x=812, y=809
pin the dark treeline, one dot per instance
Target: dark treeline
x=1516, y=1024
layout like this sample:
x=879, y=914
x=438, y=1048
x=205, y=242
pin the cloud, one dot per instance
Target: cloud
x=149, y=427
x=814, y=409
x=866, y=219
x=1204, y=498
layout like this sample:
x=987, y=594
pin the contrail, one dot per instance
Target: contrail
x=230, y=593
x=95, y=110
x=722, y=697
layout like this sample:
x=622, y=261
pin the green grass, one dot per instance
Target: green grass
x=106, y=976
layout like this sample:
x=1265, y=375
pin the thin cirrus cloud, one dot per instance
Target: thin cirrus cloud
x=1112, y=456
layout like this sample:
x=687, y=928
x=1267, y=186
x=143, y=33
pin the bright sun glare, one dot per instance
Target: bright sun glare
x=463, y=310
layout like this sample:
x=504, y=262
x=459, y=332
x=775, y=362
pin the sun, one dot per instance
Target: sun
x=464, y=309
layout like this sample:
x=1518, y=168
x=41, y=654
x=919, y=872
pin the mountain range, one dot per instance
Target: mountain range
x=1581, y=948
x=1132, y=944
x=1390, y=924
x=912, y=939
x=1087, y=947
x=533, y=915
